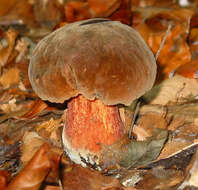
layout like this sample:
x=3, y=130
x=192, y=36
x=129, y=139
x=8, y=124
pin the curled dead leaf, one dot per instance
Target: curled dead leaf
x=5, y=52
x=174, y=89
x=81, y=178
x=10, y=77
x=37, y=107
x=33, y=174
x=131, y=153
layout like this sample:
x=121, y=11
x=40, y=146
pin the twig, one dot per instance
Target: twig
x=163, y=41
x=137, y=108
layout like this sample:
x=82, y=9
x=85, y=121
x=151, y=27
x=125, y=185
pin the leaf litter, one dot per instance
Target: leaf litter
x=164, y=153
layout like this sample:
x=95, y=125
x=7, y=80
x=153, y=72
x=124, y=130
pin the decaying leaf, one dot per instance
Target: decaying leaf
x=174, y=89
x=4, y=176
x=130, y=154
x=5, y=52
x=191, y=178
x=17, y=12
x=169, y=105
x=77, y=10
x=146, y=125
x=143, y=152
x=189, y=70
x=77, y=177
x=155, y=22
x=36, y=107
x=47, y=13
x=113, y=9
x=30, y=144
x=159, y=178
x=123, y=14
x=10, y=77
x=103, y=8
x=33, y=174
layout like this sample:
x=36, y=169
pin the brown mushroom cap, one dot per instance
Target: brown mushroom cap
x=97, y=58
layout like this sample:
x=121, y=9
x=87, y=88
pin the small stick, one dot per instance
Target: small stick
x=163, y=41
x=60, y=184
x=137, y=108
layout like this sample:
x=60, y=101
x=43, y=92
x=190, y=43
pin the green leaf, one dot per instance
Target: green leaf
x=143, y=152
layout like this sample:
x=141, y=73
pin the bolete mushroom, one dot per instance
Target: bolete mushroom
x=95, y=64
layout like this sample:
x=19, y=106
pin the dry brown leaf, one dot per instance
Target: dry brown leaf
x=159, y=178
x=50, y=187
x=174, y=89
x=6, y=5
x=175, y=51
x=173, y=147
x=37, y=107
x=146, y=125
x=103, y=8
x=123, y=14
x=113, y=9
x=17, y=12
x=31, y=142
x=10, y=77
x=76, y=10
x=50, y=125
x=4, y=176
x=77, y=177
x=5, y=52
x=191, y=178
x=150, y=3
x=47, y=13
x=193, y=171
x=33, y=174
x=10, y=106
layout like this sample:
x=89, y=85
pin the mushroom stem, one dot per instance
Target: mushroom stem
x=90, y=124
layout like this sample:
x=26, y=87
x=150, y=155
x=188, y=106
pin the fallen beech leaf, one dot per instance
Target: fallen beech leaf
x=47, y=13
x=9, y=155
x=159, y=178
x=81, y=178
x=37, y=107
x=76, y=10
x=50, y=125
x=4, y=176
x=6, y=5
x=10, y=106
x=5, y=52
x=189, y=70
x=123, y=13
x=103, y=8
x=191, y=178
x=50, y=187
x=146, y=125
x=31, y=143
x=175, y=51
x=150, y=3
x=19, y=12
x=33, y=174
x=114, y=9
x=10, y=77
x=22, y=48
x=130, y=154
x=174, y=89
x=178, y=160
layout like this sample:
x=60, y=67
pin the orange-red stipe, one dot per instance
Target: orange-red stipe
x=91, y=124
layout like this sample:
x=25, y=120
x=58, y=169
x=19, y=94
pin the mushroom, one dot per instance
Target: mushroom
x=95, y=64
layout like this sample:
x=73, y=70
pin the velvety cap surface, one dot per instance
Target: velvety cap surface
x=97, y=58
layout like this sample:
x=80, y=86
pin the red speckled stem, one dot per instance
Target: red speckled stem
x=91, y=124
